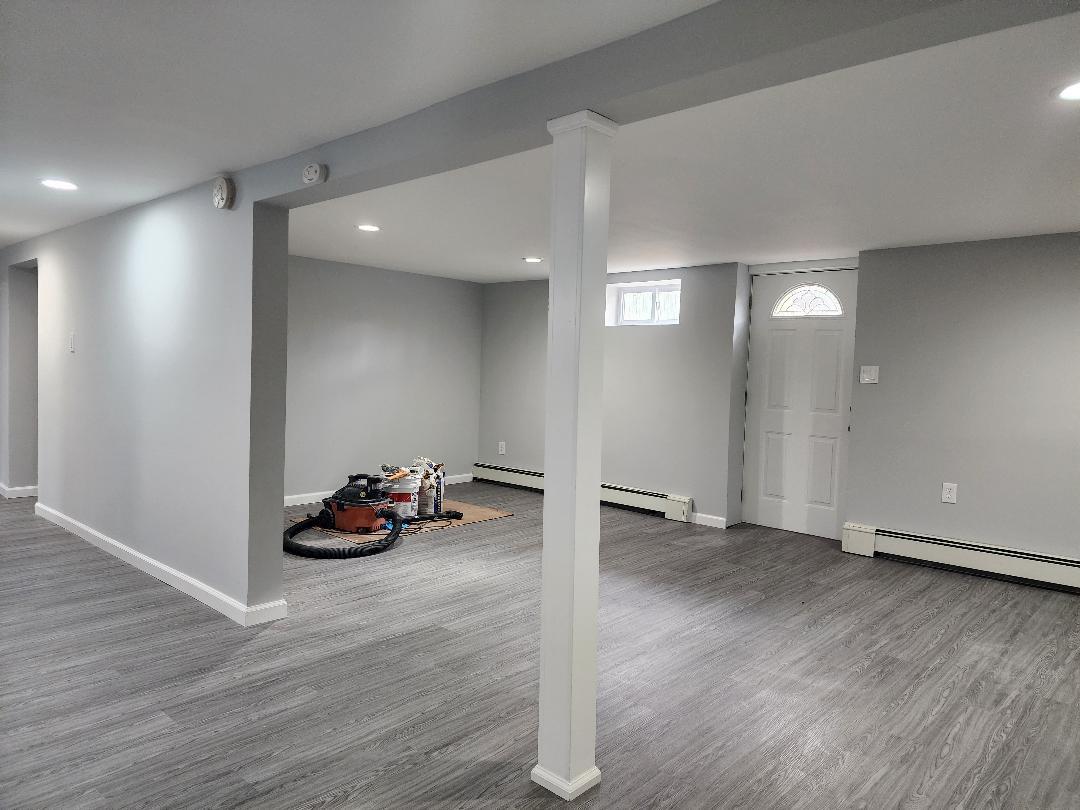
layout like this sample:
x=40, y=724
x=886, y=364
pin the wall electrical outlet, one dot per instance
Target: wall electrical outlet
x=502, y=448
x=948, y=493
x=71, y=343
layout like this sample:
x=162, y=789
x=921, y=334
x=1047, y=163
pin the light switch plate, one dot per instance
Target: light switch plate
x=948, y=493
x=502, y=448
x=868, y=374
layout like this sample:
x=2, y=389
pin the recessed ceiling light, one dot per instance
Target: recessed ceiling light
x=60, y=185
x=532, y=260
x=1070, y=93
x=368, y=228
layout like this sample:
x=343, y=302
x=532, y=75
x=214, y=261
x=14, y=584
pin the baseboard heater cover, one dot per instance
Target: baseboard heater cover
x=673, y=507
x=963, y=554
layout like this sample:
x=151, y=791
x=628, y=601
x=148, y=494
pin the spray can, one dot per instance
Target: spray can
x=440, y=487
x=427, y=495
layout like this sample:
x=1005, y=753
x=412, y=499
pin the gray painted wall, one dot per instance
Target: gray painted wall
x=383, y=366
x=157, y=396
x=667, y=389
x=979, y=345
x=740, y=355
x=5, y=361
x=512, y=376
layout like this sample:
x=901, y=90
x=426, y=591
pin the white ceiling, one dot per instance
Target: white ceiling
x=957, y=142
x=132, y=100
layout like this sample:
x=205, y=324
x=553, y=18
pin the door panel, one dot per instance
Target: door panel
x=822, y=470
x=798, y=401
x=825, y=380
x=775, y=461
x=779, y=360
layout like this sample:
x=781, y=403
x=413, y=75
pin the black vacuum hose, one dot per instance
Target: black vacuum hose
x=341, y=552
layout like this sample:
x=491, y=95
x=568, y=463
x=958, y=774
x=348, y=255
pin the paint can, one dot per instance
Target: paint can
x=405, y=494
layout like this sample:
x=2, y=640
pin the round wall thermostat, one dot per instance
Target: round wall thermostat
x=224, y=192
x=314, y=173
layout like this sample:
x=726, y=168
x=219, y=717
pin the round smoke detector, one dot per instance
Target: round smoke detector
x=313, y=173
x=224, y=192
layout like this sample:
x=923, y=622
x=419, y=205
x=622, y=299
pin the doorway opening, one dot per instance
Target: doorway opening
x=19, y=460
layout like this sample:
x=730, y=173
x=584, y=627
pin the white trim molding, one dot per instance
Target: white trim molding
x=311, y=497
x=316, y=497
x=560, y=787
x=246, y=615
x=18, y=492
x=702, y=519
x=810, y=266
x=583, y=119
x=1002, y=560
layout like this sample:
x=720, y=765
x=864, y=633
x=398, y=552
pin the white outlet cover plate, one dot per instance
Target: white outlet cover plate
x=948, y=493
x=868, y=374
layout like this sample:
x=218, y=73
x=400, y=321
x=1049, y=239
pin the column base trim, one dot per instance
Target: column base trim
x=246, y=615
x=563, y=789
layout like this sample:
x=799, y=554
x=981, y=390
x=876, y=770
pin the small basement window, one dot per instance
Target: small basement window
x=643, y=303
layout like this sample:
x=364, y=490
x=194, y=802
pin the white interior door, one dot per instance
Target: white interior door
x=802, y=345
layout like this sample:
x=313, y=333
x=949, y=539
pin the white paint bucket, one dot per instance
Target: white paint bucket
x=405, y=494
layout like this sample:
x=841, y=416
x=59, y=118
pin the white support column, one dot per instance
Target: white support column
x=570, y=568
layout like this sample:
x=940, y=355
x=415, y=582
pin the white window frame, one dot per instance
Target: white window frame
x=615, y=314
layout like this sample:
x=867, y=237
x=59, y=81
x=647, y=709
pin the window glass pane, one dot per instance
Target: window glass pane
x=643, y=303
x=637, y=306
x=667, y=306
x=805, y=300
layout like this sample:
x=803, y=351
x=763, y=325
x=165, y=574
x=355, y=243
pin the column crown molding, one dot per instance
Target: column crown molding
x=584, y=119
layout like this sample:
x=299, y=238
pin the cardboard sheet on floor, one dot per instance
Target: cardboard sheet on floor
x=471, y=513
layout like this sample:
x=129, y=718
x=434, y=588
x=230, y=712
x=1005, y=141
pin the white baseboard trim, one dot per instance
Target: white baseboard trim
x=311, y=497
x=316, y=497
x=240, y=613
x=1010, y=562
x=18, y=492
x=562, y=788
x=716, y=521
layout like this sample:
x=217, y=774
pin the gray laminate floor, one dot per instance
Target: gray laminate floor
x=739, y=668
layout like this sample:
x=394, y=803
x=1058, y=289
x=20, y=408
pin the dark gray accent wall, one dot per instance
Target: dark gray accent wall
x=383, y=366
x=23, y=401
x=18, y=376
x=668, y=390
x=979, y=349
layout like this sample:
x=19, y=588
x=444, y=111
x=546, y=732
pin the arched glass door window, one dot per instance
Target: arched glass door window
x=808, y=301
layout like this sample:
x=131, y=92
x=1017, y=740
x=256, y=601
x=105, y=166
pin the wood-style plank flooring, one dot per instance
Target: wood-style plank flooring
x=741, y=668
